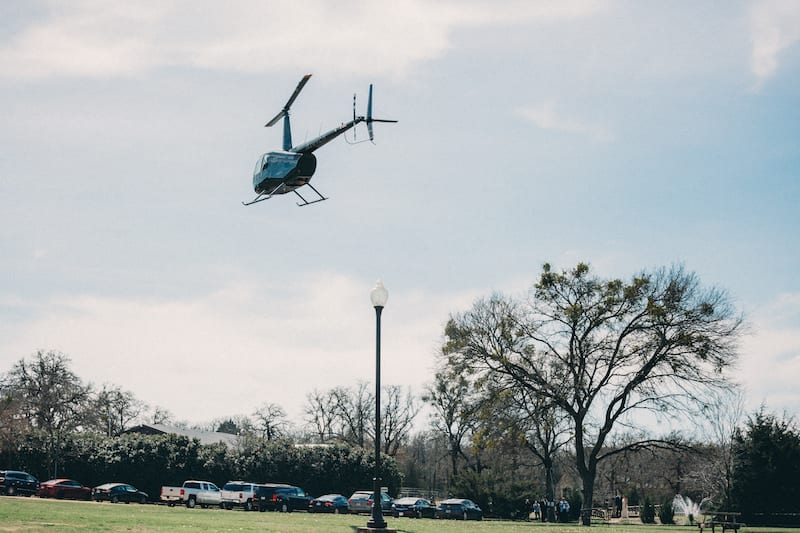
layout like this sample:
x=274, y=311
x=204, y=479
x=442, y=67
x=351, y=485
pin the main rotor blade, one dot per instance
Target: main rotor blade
x=276, y=119
x=289, y=102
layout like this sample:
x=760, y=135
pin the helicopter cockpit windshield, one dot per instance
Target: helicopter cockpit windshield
x=261, y=164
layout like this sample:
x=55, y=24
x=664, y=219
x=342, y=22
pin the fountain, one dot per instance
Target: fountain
x=686, y=508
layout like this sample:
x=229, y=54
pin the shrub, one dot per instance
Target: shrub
x=666, y=514
x=648, y=513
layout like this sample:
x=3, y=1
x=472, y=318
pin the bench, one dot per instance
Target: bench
x=600, y=516
x=726, y=520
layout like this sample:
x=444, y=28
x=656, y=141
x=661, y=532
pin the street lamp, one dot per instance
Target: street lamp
x=379, y=295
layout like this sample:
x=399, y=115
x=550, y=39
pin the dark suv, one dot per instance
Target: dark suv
x=280, y=497
x=15, y=482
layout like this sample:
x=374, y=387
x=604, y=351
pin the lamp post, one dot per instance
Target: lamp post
x=379, y=295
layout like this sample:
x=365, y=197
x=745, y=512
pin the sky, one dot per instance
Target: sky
x=629, y=135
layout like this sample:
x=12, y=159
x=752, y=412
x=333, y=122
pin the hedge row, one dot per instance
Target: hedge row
x=150, y=461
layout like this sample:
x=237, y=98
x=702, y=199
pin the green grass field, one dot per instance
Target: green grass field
x=34, y=514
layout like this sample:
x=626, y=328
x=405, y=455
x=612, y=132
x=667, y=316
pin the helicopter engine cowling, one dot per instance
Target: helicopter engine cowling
x=306, y=166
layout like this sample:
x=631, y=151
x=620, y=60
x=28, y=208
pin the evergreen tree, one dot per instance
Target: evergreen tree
x=766, y=469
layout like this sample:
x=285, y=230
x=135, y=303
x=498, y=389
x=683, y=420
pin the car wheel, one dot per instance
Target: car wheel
x=465, y=516
x=336, y=510
x=11, y=491
x=419, y=514
x=284, y=508
x=248, y=505
x=191, y=503
x=114, y=499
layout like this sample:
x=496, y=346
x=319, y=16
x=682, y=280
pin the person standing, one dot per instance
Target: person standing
x=563, y=510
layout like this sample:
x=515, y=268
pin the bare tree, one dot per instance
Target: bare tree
x=50, y=396
x=271, y=421
x=542, y=428
x=354, y=409
x=725, y=414
x=601, y=350
x=115, y=409
x=456, y=404
x=321, y=413
x=160, y=415
x=397, y=417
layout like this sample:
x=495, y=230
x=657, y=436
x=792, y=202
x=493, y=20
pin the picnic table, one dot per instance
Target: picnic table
x=723, y=519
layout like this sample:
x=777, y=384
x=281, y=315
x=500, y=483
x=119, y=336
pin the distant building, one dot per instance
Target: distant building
x=205, y=437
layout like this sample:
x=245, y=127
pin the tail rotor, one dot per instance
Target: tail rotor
x=369, y=120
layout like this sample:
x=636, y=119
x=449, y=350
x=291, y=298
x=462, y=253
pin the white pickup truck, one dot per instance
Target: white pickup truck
x=191, y=494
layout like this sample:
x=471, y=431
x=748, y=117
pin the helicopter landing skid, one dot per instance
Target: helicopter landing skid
x=266, y=195
x=306, y=202
x=279, y=190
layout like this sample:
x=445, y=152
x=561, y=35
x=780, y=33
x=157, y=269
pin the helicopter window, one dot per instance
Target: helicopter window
x=261, y=164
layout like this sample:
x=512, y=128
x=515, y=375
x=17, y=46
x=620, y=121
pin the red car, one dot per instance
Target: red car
x=64, y=488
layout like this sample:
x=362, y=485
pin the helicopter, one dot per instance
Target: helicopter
x=287, y=170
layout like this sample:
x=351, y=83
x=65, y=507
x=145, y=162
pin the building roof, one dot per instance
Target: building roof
x=205, y=437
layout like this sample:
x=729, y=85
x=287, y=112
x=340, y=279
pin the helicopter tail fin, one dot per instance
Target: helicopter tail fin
x=369, y=120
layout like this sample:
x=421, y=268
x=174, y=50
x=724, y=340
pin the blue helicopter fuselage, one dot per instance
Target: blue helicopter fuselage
x=292, y=169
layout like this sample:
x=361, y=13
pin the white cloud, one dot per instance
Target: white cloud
x=544, y=115
x=770, y=362
x=102, y=39
x=775, y=26
x=227, y=352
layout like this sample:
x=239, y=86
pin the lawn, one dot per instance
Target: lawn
x=18, y=514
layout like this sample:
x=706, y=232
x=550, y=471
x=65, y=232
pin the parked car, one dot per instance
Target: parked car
x=15, y=482
x=64, y=488
x=361, y=502
x=459, y=509
x=281, y=497
x=239, y=494
x=118, y=492
x=413, y=507
x=329, y=503
x=192, y=493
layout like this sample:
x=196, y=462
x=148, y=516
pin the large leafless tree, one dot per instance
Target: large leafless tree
x=603, y=349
